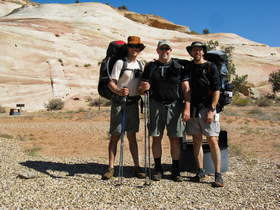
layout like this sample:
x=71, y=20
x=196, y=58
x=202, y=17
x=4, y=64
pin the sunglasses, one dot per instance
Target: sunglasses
x=164, y=48
x=135, y=46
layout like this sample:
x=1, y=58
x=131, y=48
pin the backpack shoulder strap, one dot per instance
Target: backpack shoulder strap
x=176, y=63
x=140, y=65
x=124, y=66
x=153, y=66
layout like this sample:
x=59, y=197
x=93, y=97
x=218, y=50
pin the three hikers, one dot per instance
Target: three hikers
x=180, y=91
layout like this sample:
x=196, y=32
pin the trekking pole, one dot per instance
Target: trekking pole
x=147, y=141
x=123, y=109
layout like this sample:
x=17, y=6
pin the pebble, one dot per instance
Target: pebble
x=27, y=183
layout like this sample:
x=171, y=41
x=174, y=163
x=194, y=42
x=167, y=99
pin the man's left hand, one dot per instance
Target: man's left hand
x=210, y=116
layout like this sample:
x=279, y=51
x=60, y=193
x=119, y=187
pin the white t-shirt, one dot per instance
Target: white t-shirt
x=127, y=78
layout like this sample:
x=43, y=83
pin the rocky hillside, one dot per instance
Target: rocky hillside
x=54, y=50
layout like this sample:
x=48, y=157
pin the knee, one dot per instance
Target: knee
x=213, y=141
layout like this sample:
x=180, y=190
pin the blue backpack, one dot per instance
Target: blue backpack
x=220, y=58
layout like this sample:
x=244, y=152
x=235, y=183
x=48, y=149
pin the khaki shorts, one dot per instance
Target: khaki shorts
x=131, y=118
x=169, y=116
x=199, y=126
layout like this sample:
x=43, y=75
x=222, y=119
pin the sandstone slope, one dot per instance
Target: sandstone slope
x=54, y=50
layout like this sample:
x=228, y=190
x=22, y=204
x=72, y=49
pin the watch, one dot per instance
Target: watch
x=212, y=109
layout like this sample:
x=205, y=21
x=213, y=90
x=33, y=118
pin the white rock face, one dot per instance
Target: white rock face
x=45, y=49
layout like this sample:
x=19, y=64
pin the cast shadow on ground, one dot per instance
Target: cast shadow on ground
x=50, y=168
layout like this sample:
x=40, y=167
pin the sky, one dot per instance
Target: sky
x=256, y=20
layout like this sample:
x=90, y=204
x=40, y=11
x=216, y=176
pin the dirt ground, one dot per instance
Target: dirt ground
x=252, y=131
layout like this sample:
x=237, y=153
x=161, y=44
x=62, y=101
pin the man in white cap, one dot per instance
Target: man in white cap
x=205, y=92
x=167, y=83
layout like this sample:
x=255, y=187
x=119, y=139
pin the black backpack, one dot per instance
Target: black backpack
x=219, y=57
x=115, y=51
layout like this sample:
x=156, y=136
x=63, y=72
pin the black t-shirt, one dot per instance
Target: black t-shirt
x=165, y=80
x=204, y=79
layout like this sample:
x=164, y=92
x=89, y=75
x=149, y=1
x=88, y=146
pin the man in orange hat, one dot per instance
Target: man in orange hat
x=125, y=78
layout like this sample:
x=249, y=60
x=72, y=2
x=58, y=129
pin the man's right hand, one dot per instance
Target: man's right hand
x=123, y=92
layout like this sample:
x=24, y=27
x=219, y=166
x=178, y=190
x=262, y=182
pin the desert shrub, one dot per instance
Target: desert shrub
x=122, y=8
x=61, y=62
x=274, y=79
x=237, y=100
x=205, y=31
x=212, y=45
x=55, y=104
x=2, y=109
x=194, y=32
x=264, y=101
x=99, y=102
x=87, y=65
x=231, y=66
x=241, y=85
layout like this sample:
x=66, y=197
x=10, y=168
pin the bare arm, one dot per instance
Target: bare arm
x=210, y=115
x=115, y=89
x=187, y=94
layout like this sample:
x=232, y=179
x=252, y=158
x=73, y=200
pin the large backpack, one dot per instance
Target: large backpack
x=219, y=57
x=115, y=51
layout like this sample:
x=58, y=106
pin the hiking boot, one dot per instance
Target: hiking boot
x=219, y=182
x=199, y=177
x=176, y=177
x=138, y=172
x=158, y=174
x=108, y=174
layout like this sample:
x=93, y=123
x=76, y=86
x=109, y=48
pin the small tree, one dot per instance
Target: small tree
x=55, y=104
x=206, y=31
x=122, y=8
x=212, y=45
x=231, y=66
x=274, y=79
x=241, y=85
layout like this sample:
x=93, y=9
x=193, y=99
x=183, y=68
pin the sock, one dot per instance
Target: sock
x=175, y=167
x=158, y=163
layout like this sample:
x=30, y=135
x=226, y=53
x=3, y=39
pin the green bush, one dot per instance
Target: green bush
x=274, y=79
x=206, y=31
x=123, y=8
x=241, y=85
x=55, y=104
x=99, y=102
x=87, y=65
x=212, y=45
x=194, y=32
x=238, y=101
x=264, y=101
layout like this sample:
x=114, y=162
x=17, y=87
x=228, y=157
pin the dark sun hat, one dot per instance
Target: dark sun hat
x=197, y=44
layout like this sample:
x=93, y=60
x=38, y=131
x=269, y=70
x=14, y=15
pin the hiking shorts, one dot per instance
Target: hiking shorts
x=131, y=120
x=169, y=116
x=198, y=125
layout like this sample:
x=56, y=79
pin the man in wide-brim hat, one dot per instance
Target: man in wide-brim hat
x=205, y=93
x=125, y=78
